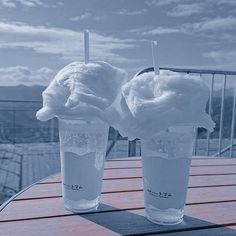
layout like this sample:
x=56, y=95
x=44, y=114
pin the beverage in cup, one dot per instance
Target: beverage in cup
x=83, y=148
x=166, y=160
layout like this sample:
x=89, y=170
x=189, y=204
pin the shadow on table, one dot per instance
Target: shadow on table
x=128, y=223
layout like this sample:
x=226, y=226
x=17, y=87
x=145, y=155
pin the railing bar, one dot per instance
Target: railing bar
x=222, y=114
x=190, y=70
x=209, y=112
x=23, y=101
x=195, y=142
x=132, y=148
x=21, y=173
x=196, y=135
x=232, y=123
x=197, y=71
x=113, y=142
x=51, y=125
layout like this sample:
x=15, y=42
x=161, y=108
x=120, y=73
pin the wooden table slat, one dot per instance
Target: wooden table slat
x=124, y=185
x=125, y=200
x=59, y=226
x=127, y=222
x=211, y=204
x=131, y=162
x=137, y=172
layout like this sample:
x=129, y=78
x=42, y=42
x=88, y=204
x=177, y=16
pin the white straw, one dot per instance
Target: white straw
x=155, y=58
x=86, y=46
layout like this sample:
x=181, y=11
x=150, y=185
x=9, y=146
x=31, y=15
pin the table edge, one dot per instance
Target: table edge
x=5, y=204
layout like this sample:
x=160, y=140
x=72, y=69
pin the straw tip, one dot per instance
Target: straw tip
x=154, y=43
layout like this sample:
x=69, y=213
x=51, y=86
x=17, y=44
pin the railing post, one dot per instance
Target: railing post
x=132, y=148
x=209, y=112
x=21, y=172
x=14, y=126
x=222, y=115
x=115, y=137
x=52, y=130
x=196, y=134
x=233, y=123
x=195, y=142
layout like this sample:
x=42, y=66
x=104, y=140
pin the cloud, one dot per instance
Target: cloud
x=222, y=55
x=161, y=3
x=12, y=76
x=130, y=13
x=217, y=29
x=65, y=43
x=85, y=16
x=215, y=55
x=214, y=24
x=140, y=29
x=223, y=59
x=186, y=10
x=149, y=30
x=225, y=2
x=28, y=3
x=7, y=3
x=160, y=31
x=169, y=3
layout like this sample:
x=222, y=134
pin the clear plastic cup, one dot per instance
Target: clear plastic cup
x=83, y=148
x=166, y=162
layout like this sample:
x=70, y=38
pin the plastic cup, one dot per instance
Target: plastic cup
x=82, y=147
x=166, y=162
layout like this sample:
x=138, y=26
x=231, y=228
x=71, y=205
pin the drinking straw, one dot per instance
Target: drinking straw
x=155, y=58
x=86, y=46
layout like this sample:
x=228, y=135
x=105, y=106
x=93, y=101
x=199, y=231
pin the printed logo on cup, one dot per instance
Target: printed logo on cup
x=159, y=194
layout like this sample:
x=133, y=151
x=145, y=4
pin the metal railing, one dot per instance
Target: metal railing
x=10, y=173
x=17, y=117
x=51, y=127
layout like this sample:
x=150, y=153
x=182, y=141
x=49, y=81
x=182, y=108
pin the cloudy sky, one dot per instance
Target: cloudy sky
x=38, y=37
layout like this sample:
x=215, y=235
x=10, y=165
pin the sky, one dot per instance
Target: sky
x=39, y=37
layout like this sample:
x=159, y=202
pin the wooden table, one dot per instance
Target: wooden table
x=210, y=210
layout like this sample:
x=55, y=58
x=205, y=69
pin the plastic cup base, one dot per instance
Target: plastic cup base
x=83, y=210
x=165, y=217
x=82, y=205
x=160, y=222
